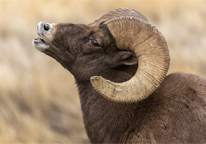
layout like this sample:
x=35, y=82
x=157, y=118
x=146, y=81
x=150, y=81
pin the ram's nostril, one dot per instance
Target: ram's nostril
x=46, y=26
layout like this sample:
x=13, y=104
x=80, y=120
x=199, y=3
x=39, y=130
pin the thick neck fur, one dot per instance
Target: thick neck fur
x=105, y=121
x=170, y=115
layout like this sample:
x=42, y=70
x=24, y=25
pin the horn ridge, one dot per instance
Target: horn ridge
x=137, y=35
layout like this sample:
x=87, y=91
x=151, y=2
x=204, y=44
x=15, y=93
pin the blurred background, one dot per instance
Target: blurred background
x=38, y=98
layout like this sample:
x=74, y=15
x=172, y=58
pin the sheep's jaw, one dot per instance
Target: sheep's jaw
x=44, y=31
x=40, y=44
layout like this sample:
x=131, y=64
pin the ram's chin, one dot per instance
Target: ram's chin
x=40, y=44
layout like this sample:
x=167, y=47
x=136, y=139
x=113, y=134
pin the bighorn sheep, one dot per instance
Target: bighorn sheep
x=135, y=102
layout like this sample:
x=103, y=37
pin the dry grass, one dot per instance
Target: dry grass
x=38, y=98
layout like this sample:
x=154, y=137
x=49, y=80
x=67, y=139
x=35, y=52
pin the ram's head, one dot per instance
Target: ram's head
x=120, y=37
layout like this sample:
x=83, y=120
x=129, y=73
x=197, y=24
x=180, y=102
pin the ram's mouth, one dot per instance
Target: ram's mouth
x=39, y=39
x=40, y=44
x=44, y=31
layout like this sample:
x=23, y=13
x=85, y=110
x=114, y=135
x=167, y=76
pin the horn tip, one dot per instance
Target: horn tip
x=96, y=80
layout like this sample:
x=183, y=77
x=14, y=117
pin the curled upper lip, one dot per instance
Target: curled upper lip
x=40, y=27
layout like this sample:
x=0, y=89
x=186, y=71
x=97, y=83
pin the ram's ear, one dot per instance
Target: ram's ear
x=121, y=58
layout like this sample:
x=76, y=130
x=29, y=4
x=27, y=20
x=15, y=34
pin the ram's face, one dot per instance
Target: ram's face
x=81, y=49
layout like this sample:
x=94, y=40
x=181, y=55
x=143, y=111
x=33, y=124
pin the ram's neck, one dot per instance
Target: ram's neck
x=105, y=121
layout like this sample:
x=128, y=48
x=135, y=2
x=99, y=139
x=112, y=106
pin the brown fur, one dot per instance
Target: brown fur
x=174, y=113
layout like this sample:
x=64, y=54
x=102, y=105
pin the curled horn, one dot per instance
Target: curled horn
x=150, y=47
x=120, y=12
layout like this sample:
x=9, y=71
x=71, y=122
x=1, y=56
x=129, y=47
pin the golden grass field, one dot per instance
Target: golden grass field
x=38, y=98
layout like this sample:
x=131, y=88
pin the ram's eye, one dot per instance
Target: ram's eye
x=94, y=43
